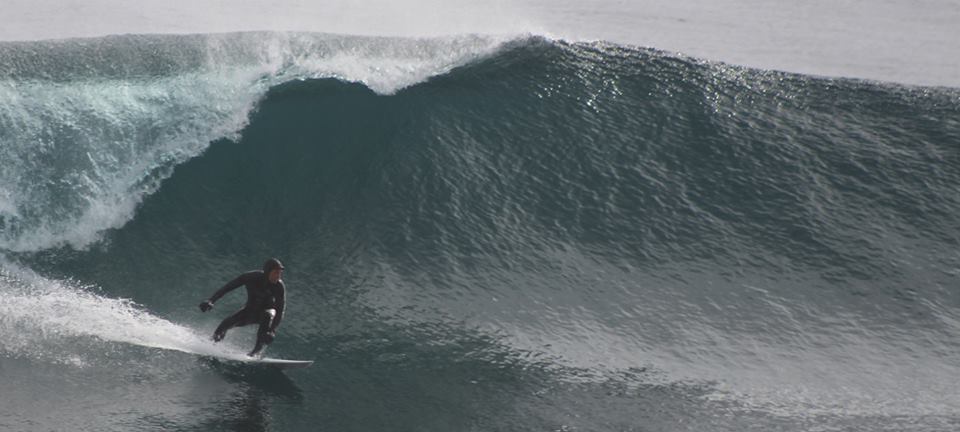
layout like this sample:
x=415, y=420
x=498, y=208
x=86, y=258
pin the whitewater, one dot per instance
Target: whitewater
x=509, y=216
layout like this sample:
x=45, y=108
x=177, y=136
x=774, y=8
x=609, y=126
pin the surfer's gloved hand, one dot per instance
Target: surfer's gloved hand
x=206, y=305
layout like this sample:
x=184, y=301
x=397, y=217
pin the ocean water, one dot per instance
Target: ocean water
x=480, y=233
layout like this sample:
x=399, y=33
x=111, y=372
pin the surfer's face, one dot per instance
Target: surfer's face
x=275, y=275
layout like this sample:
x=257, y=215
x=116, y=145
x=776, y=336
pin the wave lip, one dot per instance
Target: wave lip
x=89, y=127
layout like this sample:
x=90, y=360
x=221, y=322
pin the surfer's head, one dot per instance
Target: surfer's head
x=273, y=268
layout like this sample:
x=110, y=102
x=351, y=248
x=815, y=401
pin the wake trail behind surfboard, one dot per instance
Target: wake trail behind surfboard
x=42, y=318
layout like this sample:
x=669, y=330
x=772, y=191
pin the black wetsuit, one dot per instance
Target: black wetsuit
x=265, y=303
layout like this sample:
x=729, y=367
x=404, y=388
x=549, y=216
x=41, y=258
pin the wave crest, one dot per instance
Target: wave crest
x=89, y=127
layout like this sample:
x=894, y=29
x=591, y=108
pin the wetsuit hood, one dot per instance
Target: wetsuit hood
x=271, y=265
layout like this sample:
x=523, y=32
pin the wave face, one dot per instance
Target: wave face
x=90, y=127
x=479, y=234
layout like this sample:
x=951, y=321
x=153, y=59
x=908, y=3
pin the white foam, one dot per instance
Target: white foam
x=82, y=144
x=56, y=320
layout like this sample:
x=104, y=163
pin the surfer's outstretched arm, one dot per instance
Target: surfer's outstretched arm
x=230, y=286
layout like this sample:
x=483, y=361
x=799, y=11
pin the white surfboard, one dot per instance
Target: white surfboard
x=280, y=363
x=265, y=361
x=210, y=352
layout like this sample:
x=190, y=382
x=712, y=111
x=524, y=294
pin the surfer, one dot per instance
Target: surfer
x=265, y=302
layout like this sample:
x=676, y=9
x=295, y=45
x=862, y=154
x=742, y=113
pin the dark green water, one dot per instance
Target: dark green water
x=545, y=237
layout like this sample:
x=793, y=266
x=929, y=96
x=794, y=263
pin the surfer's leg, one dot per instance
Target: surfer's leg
x=266, y=318
x=227, y=324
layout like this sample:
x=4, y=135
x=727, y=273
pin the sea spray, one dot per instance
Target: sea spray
x=89, y=127
x=63, y=320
